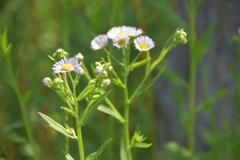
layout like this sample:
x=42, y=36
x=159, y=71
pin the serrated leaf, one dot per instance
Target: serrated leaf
x=109, y=111
x=67, y=156
x=145, y=86
x=168, y=13
x=58, y=127
x=208, y=103
x=95, y=155
x=92, y=107
x=178, y=150
x=141, y=145
x=174, y=78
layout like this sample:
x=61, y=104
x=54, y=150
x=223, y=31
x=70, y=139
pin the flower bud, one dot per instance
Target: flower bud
x=98, y=69
x=79, y=56
x=98, y=64
x=180, y=36
x=57, y=80
x=106, y=82
x=79, y=70
x=46, y=81
x=60, y=53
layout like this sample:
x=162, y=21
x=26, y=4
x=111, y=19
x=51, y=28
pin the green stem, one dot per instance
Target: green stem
x=126, y=107
x=78, y=123
x=26, y=119
x=192, y=77
x=66, y=137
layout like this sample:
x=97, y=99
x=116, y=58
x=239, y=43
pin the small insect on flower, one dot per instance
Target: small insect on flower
x=143, y=43
x=99, y=42
x=65, y=65
x=121, y=41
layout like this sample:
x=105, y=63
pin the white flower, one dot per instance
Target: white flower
x=135, y=32
x=116, y=31
x=79, y=56
x=46, y=81
x=124, y=30
x=121, y=41
x=143, y=43
x=79, y=70
x=99, y=42
x=65, y=65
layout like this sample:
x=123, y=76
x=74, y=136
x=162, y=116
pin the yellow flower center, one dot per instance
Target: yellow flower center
x=67, y=67
x=121, y=42
x=121, y=33
x=99, y=44
x=143, y=46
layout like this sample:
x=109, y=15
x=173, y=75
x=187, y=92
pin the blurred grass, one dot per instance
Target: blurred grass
x=37, y=28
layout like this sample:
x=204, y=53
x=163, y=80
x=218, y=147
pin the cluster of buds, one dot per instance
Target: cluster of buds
x=180, y=37
x=60, y=53
x=102, y=73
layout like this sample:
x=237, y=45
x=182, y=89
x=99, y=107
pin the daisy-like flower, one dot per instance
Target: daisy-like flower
x=65, y=65
x=118, y=31
x=134, y=32
x=121, y=41
x=99, y=42
x=143, y=43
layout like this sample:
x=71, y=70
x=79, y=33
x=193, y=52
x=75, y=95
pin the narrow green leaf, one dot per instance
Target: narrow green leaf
x=56, y=126
x=50, y=57
x=14, y=137
x=174, y=78
x=145, y=86
x=235, y=75
x=168, y=13
x=237, y=100
x=207, y=104
x=109, y=111
x=141, y=145
x=178, y=150
x=87, y=90
x=181, y=113
x=95, y=155
x=67, y=156
x=92, y=107
x=138, y=64
x=69, y=111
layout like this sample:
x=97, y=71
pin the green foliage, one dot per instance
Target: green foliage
x=96, y=154
x=58, y=127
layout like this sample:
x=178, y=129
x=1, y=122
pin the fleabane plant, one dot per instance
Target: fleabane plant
x=67, y=72
x=125, y=37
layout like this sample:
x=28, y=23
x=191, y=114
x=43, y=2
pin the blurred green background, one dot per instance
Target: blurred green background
x=39, y=27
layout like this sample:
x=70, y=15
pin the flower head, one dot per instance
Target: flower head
x=121, y=41
x=99, y=42
x=118, y=31
x=60, y=53
x=134, y=32
x=143, y=43
x=65, y=65
x=79, y=56
x=180, y=36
